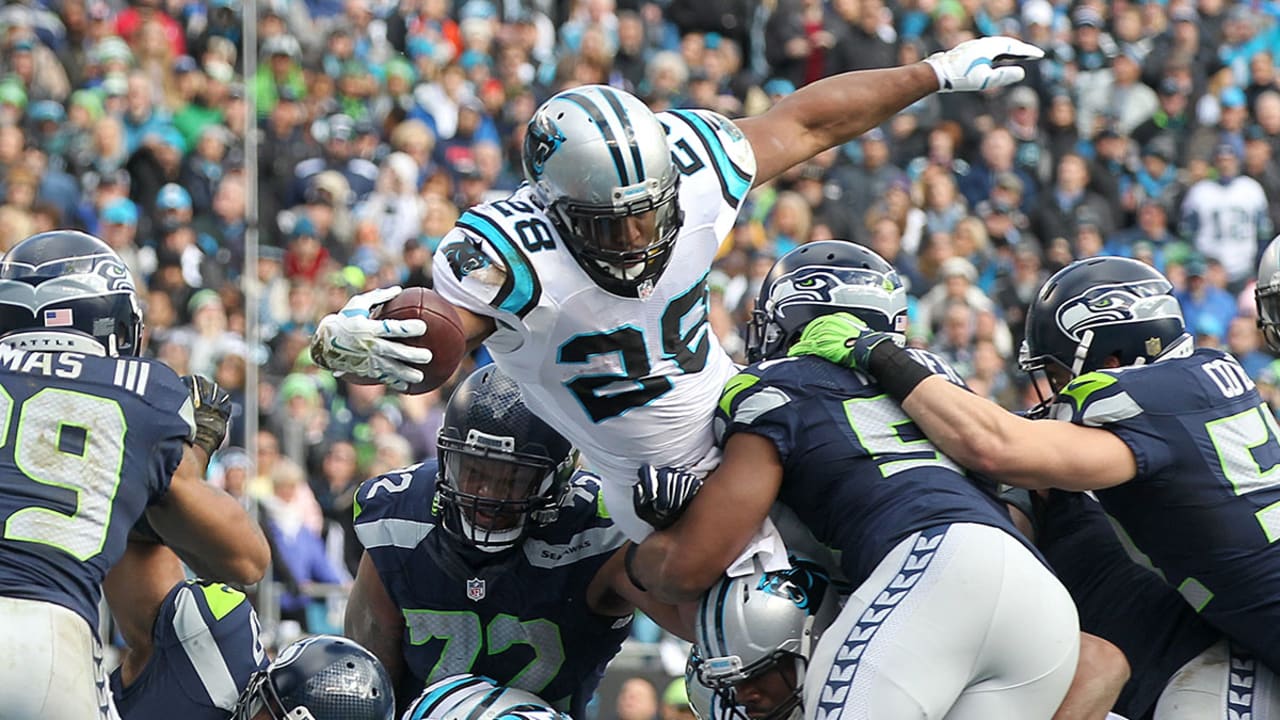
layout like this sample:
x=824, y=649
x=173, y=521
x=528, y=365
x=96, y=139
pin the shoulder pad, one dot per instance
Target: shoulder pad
x=1095, y=399
x=716, y=143
x=745, y=398
x=489, y=255
x=404, y=493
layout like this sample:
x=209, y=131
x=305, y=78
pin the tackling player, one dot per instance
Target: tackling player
x=499, y=560
x=588, y=284
x=91, y=437
x=194, y=653
x=953, y=614
x=1175, y=441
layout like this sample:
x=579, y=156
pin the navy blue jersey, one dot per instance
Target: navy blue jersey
x=1120, y=600
x=521, y=618
x=86, y=443
x=856, y=471
x=205, y=647
x=1204, y=506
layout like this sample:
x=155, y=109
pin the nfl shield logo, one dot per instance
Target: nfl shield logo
x=475, y=589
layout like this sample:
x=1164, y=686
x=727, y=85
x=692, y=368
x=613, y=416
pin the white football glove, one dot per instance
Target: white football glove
x=971, y=66
x=349, y=341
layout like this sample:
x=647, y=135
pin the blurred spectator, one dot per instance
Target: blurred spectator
x=1069, y=201
x=675, y=702
x=298, y=553
x=637, y=700
x=1227, y=217
x=1205, y=305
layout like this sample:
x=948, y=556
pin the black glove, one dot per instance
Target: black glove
x=660, y=496
x=212, y=410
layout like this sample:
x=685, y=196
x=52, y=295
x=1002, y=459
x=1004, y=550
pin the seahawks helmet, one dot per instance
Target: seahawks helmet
x=1098, y=308
x=502, y=469
x=820, y=278
x=749, y=625
x=324, y=677
x=473, y=697
x=596, y=156
x=1267, y=295
x=66, y=290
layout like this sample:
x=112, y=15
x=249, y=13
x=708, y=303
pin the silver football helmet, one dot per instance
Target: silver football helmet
x=474, y=697
x=598, y=160
x=1267, y=294
x=749, y=625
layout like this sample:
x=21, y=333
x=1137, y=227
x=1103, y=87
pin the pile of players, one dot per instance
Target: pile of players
x=841, y=528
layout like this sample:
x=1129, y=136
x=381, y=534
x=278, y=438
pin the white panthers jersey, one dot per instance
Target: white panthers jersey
x=627, y=380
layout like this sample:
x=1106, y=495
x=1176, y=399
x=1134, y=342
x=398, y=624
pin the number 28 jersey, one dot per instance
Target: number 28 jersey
x=628, y=380
x=86, y=443
x=1204, y=507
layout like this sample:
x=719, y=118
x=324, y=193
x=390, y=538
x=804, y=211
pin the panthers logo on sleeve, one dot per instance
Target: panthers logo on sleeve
x=1112, y=304
x=465, y=257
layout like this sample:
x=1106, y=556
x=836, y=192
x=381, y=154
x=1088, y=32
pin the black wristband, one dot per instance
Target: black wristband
x=895, y=370
x=627, y=560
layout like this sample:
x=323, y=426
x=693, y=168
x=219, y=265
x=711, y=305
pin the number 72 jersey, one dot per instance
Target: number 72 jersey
x=628, y=380
x=86, y=443
x=1204, y=507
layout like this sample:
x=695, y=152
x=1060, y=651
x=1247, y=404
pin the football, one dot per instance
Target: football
x=444, y=337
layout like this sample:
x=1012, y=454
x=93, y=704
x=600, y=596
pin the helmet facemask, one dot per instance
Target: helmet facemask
x=1267, y=298
x=724, y=678
x=261, y=695
x=626, y=245
x=490, y=494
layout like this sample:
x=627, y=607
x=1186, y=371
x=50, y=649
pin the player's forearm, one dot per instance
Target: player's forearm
x=208, y=528
x=373, y=620
x=971, y=430
x=837, y=109
x=659, y=569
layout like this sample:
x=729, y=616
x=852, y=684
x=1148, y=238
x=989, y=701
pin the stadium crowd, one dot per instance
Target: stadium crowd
x=1151, y=130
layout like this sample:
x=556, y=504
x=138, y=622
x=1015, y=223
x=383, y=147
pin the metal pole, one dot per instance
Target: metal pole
x=252, y=294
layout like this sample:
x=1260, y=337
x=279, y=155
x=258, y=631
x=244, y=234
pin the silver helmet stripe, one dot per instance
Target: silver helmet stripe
x=606, y=131
x=637, y=164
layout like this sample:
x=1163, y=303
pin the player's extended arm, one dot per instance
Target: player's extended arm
x=678, y=564
x=135, y=588
x=612, y=594
x=835, y=110
x=208, y=528
x=981, y=435
x=374, y=621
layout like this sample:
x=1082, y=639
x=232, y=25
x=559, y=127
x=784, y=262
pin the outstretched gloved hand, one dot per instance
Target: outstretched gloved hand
x=979, y=64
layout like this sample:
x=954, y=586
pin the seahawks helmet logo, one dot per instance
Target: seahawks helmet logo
x=541, y=141
x=844, y=287
x=1117, y=304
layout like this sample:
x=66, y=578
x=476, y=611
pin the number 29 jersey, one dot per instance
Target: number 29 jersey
x=86, y=443
x=628, y=380
x=1204, y=507
x=521, y=619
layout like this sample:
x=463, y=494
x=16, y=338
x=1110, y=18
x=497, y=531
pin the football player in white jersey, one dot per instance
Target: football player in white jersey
x=588, y=284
